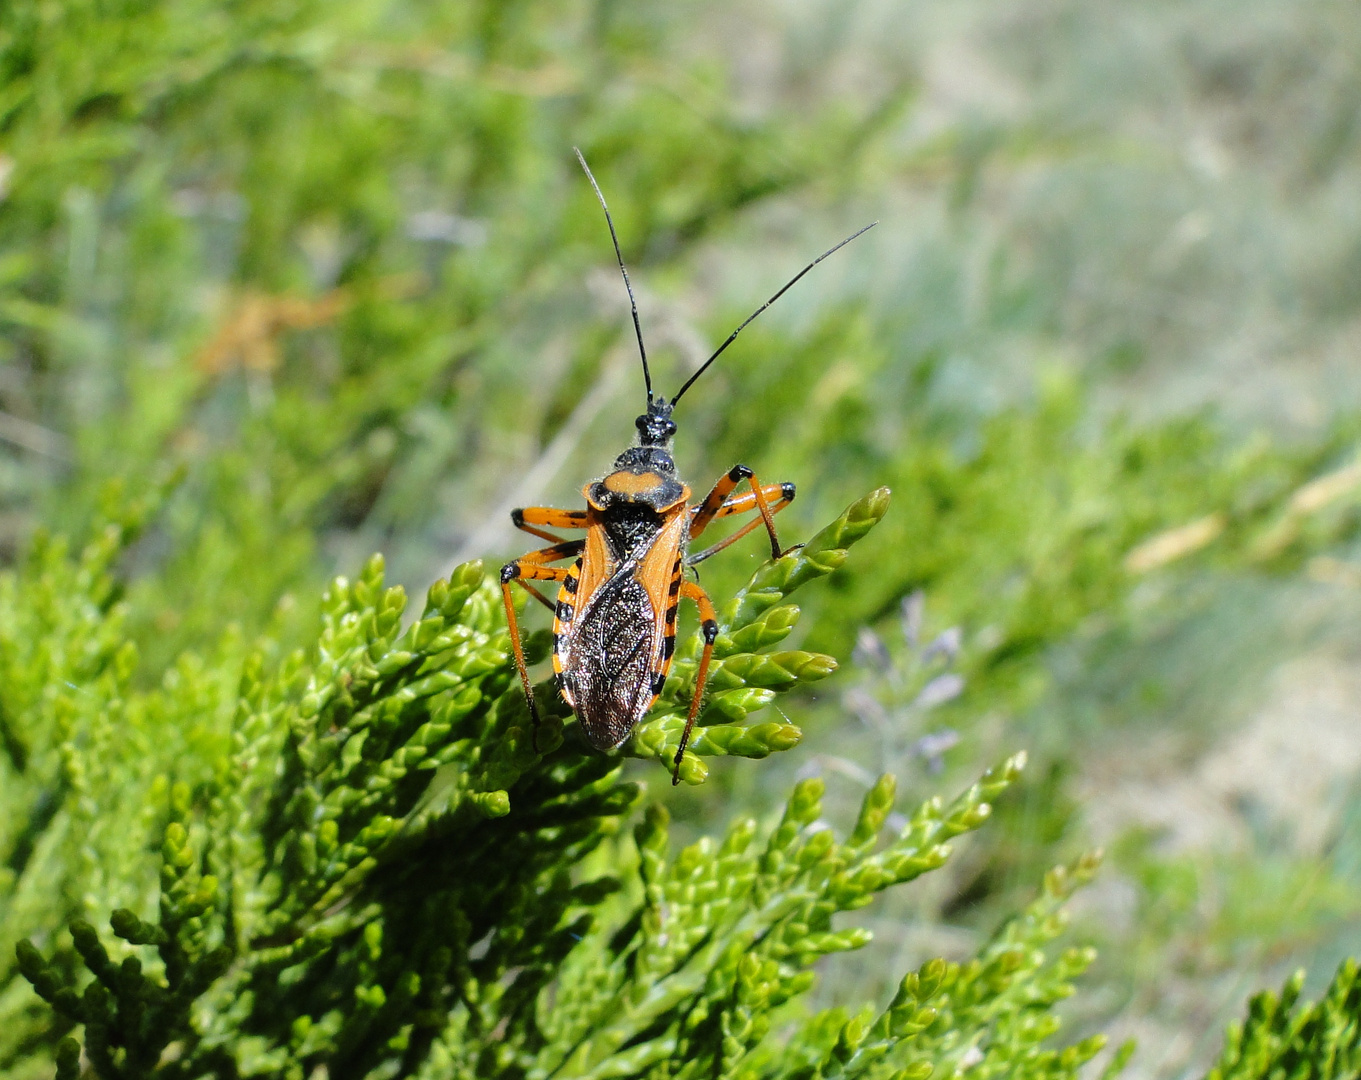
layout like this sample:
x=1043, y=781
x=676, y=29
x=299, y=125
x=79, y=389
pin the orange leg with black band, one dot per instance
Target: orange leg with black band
x=564, y=549
x=708, y=621
x=531, y=568
x=537, y=595
x=713, y=503
x=530, y=516
x=777, y=496
x=768, y=500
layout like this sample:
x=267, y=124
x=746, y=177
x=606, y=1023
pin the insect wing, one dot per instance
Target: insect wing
x=607, y=672
x=612, y=654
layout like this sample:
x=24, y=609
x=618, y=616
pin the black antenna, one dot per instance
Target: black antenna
x=789, y=285
x=633, y=304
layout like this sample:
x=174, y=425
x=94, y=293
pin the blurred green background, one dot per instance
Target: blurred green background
x=331, y=272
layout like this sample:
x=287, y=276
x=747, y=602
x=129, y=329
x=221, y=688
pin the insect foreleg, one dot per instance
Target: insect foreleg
x=778, y=496
x=769, y=500
x=531, y=568
x=727, y=541
x=709, y=626
x=530, y=516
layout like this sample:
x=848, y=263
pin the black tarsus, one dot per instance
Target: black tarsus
x=633, y=304
x=788, y=285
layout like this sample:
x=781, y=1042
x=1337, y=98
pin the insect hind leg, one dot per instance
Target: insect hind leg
x=709, y=626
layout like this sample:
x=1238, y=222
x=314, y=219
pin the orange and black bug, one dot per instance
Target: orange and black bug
x=614, y=624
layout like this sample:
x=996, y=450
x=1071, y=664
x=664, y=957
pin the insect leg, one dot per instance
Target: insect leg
x=706, y=511
x=536, y=594
x=709, y=625
x=777, y=496
x=532, y=567
x=527, y=518
x=715, y=501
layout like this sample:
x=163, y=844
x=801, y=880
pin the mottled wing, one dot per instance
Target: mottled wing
x=610, y=653
x=607, y=668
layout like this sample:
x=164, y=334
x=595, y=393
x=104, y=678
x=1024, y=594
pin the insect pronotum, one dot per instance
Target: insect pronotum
x=614, y=623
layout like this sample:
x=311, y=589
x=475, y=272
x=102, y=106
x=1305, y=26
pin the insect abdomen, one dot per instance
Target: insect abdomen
x=563, y=616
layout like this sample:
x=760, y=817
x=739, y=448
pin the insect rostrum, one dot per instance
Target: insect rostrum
x=614, y=622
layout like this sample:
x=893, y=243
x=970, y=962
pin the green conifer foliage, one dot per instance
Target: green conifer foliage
x=356, y=859
x=378, y=872
x=1280, y=1037
x=379, y=843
